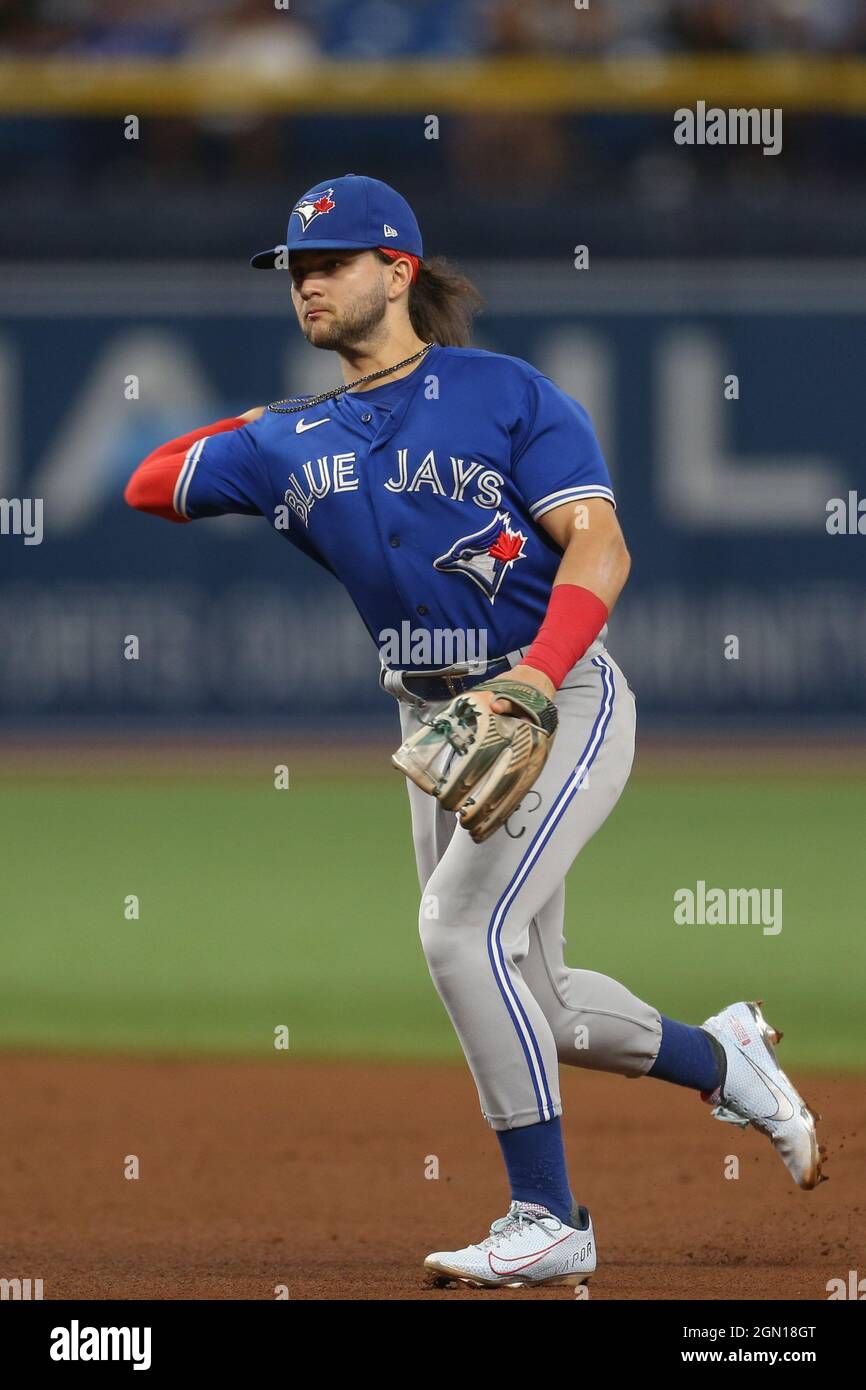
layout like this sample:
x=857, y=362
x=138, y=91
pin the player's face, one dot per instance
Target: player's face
x=339, y=297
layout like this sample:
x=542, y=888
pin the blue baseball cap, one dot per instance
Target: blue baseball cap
x=351, y=213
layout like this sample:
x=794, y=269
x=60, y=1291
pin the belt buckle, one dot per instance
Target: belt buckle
x=455, y=685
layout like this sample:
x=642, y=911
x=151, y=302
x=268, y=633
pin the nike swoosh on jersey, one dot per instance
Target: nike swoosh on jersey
x=780, y=1098
x=301, y=428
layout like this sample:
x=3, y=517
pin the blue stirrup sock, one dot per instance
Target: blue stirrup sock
x=535, y=1158
x=535, y=1154
x=688, y=1056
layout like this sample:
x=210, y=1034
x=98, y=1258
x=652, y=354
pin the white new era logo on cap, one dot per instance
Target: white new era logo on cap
x=390, y=231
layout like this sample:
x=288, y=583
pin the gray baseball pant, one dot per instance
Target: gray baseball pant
x=491, y=918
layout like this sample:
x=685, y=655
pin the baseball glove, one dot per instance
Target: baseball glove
x=479, y=763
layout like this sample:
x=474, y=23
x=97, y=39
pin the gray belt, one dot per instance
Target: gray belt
x=426, y=687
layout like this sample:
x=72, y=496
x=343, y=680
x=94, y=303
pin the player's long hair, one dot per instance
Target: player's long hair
x=442, y=304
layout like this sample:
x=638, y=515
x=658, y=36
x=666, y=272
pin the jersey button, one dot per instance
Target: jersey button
x=394, y=541
x=422, y=610
x=367, y=417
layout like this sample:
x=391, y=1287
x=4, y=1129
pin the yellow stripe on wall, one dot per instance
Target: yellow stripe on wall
x=175, y=88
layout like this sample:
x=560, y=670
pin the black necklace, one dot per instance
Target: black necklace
x=308, y=402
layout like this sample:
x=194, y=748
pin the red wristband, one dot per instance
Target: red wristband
x=575, y=616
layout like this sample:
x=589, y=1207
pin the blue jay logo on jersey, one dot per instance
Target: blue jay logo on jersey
x=485, y=556
x=308, y=209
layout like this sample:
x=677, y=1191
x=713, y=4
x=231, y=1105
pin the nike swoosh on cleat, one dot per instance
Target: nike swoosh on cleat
x=301, y=428
x=782, y=1101
x=527, y=1263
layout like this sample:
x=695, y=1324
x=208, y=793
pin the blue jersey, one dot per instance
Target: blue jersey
x=423, y=497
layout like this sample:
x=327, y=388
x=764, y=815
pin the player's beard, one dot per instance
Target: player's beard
x=360, y=325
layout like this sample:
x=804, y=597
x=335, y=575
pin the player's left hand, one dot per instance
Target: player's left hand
x=530, y=676
x=477, y=762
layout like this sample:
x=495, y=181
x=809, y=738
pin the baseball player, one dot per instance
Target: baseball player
x=455, y=490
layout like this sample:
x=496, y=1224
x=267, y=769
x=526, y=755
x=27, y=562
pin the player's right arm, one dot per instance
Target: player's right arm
x=179, y=482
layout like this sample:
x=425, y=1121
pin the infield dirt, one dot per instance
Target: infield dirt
x=311, y=1175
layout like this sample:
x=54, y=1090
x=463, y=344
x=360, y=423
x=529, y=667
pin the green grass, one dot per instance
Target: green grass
x=261, y=908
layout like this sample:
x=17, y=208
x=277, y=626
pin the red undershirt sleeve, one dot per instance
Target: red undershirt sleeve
x=153, y=486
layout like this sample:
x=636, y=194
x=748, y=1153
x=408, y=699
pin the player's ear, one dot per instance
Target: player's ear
x=400, y=278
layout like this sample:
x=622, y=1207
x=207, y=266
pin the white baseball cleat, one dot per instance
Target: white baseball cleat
x=529, y=1246
x=755, y=1090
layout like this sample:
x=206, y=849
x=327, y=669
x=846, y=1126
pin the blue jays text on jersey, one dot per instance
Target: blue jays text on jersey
x=423, y=496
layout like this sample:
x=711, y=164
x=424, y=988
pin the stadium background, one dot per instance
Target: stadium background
x=126, y=258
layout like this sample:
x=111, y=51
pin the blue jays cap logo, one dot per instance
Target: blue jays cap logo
x=365, y=211
x=485, y=556
x=308, y=209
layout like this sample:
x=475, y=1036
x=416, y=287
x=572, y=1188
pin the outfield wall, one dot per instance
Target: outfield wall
x=724, y=501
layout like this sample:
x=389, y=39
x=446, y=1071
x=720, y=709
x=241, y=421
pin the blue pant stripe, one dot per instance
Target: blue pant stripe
x=528, y=1041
